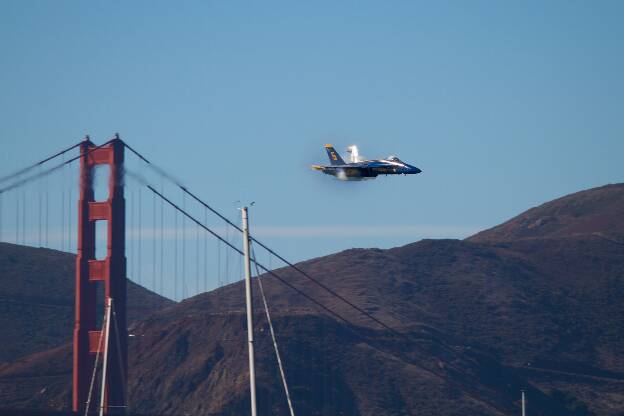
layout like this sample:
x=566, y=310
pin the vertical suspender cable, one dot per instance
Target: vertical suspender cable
x=205, y=252
x=47, y=213
x=69, y=210
x=139, y=237
x=69, y=218
x=184, y=294
x=24, y=216
x=227, y=256
x=197, y=289
x=154, y=246
x=239, y=264
x=175, y=256
x=17, y=217
x=129, y=235
x=136, y=231
x=39, y=197
x=62, y=175
x=219, y=284
x=162, y=243
x=68, y=185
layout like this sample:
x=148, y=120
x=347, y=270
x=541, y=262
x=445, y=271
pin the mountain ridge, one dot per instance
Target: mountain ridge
x=484, y=317
x=595, y=210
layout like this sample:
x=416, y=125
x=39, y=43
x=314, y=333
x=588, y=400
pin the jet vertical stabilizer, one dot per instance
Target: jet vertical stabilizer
x=334, y=157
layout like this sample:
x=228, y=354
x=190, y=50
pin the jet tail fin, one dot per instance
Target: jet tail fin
x=334, y=157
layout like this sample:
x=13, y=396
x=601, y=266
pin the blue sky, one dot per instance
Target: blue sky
x=502, y=105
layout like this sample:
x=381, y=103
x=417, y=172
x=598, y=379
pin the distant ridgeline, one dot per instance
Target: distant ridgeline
x=534, y=304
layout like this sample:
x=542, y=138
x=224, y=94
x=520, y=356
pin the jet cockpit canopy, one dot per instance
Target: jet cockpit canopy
x=393, y=158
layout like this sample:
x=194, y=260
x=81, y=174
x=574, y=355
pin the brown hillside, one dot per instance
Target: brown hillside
x=332, y=369
x=483, y=320
x=480, y=319
x=597, y=210
x=37, y=300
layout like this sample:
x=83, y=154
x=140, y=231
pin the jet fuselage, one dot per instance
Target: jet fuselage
x=366, y=169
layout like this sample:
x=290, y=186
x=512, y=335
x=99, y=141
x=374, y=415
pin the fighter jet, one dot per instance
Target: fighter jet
x=359, y=169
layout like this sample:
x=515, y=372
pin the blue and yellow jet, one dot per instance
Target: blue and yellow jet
x=363, y=169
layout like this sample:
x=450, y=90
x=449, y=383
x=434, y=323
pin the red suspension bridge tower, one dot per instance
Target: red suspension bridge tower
x=111, y=271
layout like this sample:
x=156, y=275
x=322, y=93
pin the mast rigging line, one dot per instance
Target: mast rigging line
x=299, y=270
x=273, y=337
x=95, y=366
x=120, y=361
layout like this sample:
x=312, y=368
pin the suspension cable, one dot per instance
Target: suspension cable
x=38, y=164
x=350, y=325
x=227, y=243
x=52, y=169
x=273, y=337
x=295, y=267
